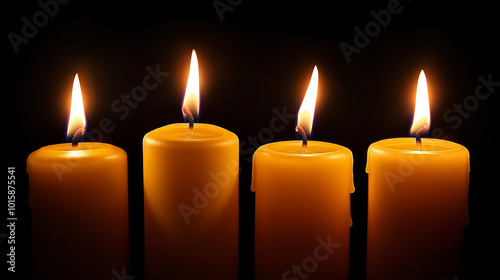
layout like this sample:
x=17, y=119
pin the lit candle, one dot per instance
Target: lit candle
x=302, y=204
x=191, y=196
x=78, y=195
x=417, y=202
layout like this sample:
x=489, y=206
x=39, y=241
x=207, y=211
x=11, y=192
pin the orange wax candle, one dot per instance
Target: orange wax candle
x=191, y=202
x=79, y=210
x=417, y=208
x=302, y=205
x=417, y=205
x=191, y=198
x=302, y=210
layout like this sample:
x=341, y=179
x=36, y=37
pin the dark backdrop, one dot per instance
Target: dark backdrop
x=256, y=56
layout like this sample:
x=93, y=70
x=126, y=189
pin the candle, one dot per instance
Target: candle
x=417, y=203
x=191, y=196
x=302, y=204
x=78, y=195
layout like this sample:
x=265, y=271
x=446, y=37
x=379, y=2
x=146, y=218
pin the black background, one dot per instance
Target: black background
x=257, y=57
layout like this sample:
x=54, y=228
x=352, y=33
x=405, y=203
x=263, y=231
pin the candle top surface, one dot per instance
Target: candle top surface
x=320, y=157
x=179, y=134
x=294, y=148
x=180, y=131
x=92, y=151
x=407, y=144
x=431, y=148
x=83, y=146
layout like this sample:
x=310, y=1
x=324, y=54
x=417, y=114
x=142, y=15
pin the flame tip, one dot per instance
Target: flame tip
x=192, y=94
x=305, y=117
x=77, y=112
x=421, y=117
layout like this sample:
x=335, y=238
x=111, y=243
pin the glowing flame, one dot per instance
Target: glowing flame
x=77, y=113
x=305, y=116
x=192, y=95
x=422, y=114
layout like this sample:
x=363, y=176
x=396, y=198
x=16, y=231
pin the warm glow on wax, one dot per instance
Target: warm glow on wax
x=76, y=190
x=308, y=186
x=192, y=95
x=182, y=161
x=77, y=113
x=306, y=113
x=422, y=114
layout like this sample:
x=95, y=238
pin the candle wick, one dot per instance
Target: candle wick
x=418, y=138
x=77, y=137
x=190, y=118
x=301, y=131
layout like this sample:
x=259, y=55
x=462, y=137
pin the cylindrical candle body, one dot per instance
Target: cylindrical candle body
x=417, y=209
x=191, y=203
x=79, y=211
x=302, y=210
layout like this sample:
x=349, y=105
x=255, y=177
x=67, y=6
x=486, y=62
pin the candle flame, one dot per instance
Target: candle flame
x=77, y=112
x=422, y=115
x=305, y=117
x=192, y=95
